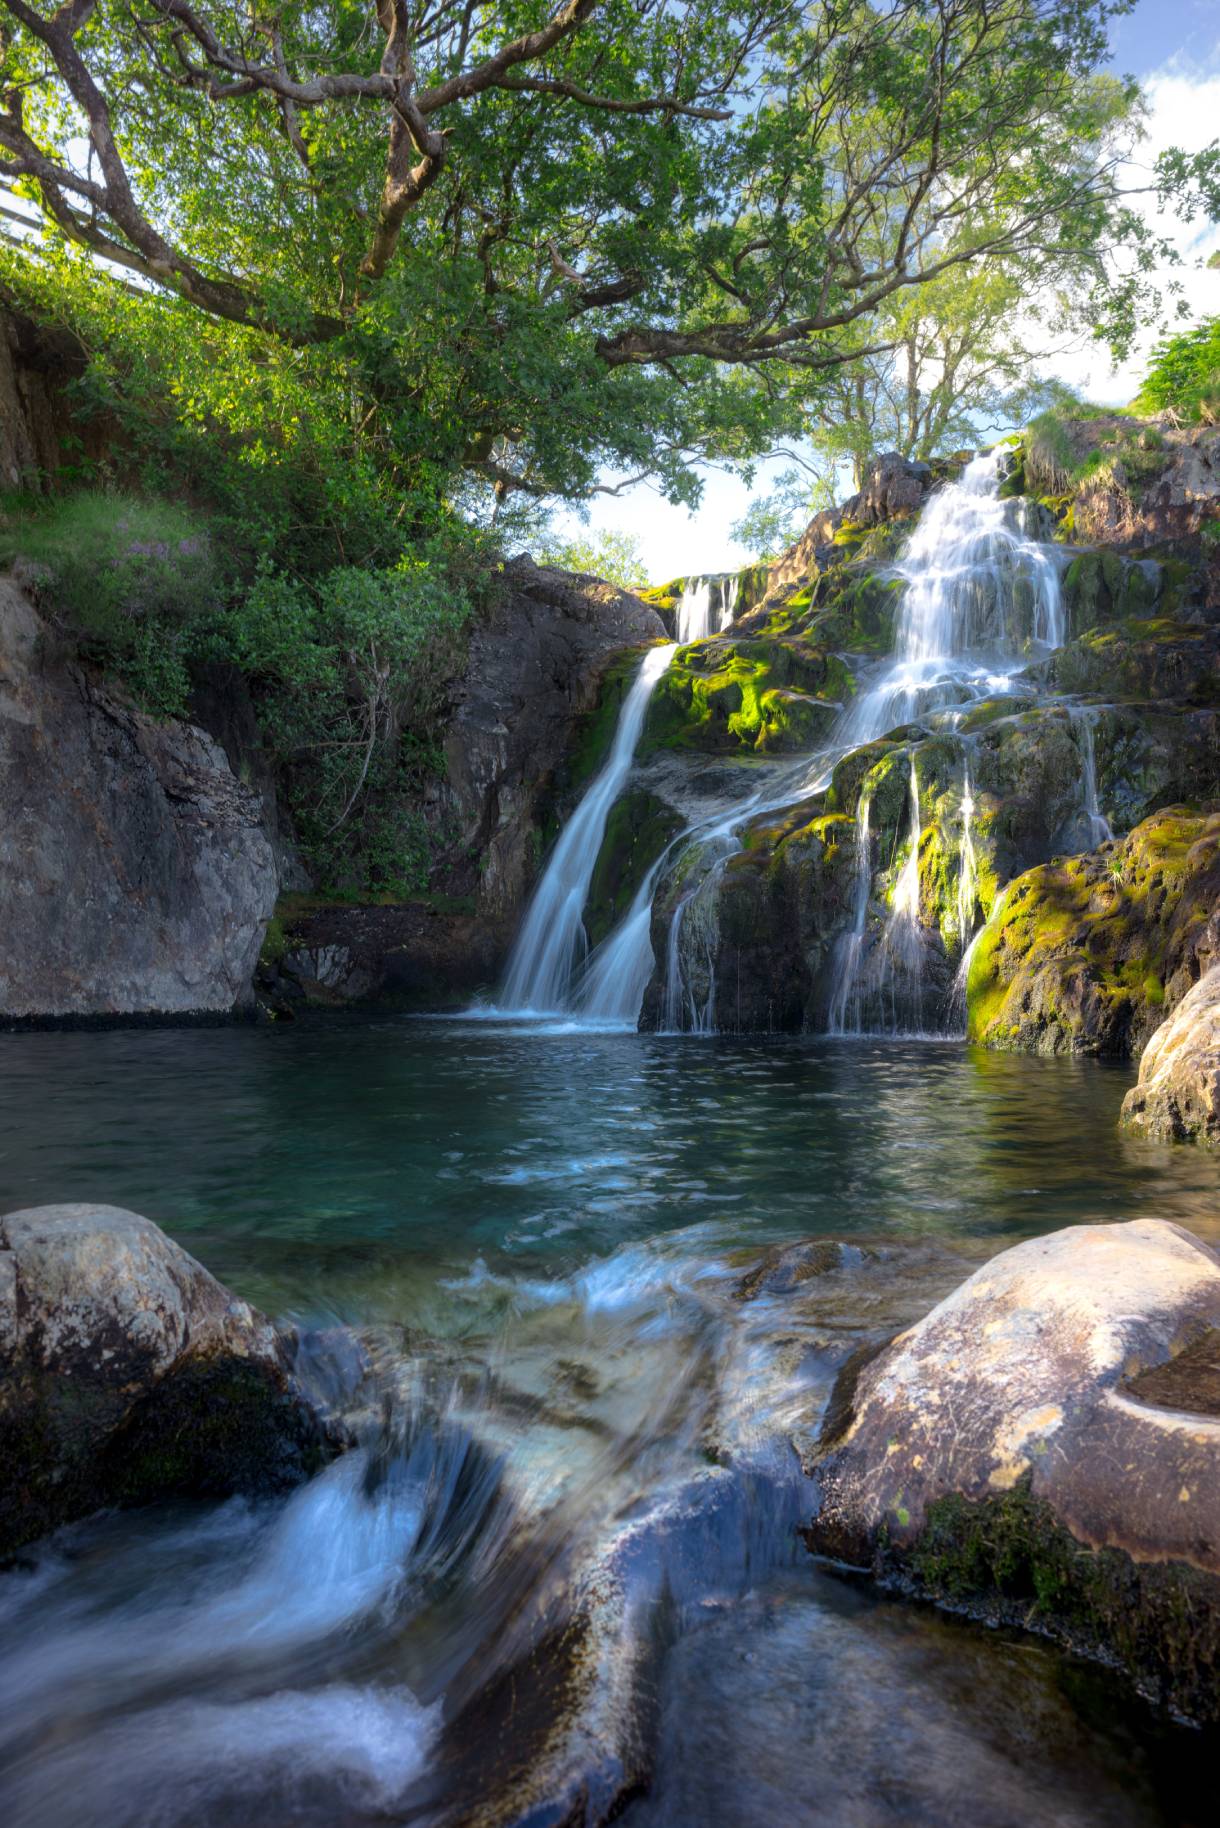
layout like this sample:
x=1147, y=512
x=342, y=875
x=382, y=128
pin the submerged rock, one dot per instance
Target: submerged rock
x=1044, y=1448
x=1177, y=1098
x=130, y=1373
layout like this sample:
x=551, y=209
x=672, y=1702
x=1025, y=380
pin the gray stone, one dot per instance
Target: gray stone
x=136, y=877
x=127, y=1372
x=1177, y=1097
x=1046, y=1444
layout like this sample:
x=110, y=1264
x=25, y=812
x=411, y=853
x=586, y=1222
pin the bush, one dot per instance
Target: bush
x=351, y=671
x=1185, y=375
x=128, y=581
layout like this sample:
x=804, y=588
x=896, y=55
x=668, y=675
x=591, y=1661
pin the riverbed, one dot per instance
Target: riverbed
x=560, y=1571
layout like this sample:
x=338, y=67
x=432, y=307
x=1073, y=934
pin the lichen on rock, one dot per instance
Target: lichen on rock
x=1177, y=1097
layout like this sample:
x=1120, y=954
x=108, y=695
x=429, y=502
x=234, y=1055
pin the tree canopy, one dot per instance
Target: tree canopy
x=538, y=244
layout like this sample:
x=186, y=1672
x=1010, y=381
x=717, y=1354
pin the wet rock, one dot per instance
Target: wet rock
x=536, y=667
x=136, y=877
x=1177, y=1098
x=773, y=696
x=895, y=489
x=1012, y=1453
x=128, y=1373
x=1142, y=660
x=1087, y=954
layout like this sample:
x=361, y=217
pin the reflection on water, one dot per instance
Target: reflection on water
x=562, y=1565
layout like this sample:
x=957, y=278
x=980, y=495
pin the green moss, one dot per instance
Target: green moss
x=1009, y=1559
x=637, y=831
x=762, y=695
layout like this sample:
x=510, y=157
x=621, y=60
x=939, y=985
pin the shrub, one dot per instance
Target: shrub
x=1184, y=377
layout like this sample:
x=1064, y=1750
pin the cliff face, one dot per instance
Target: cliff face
x=135, y=873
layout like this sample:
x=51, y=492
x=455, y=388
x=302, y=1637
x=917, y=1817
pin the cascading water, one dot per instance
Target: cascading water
x=979, y=591
x=705, y=606
x=551, y=946
x=844, y=1015
x=1100, y=830
x=968, y=868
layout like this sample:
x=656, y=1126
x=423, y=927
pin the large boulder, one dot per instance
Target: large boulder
x=1088, y=954
x=1044, y=1449
x=136, y=877
x=537, y=667
x=127, y=1373
x=1177, y=1098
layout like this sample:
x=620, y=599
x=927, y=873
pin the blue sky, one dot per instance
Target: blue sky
x=1174, y=47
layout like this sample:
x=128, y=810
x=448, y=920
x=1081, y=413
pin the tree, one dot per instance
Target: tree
x=616, y=234
x=611, y=553
x=961, y=365
x=1183, y=377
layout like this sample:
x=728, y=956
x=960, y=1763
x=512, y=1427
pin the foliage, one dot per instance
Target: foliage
x=352, y=672
x=542, y=245
x=130, y=581
x=1184, y=376
x=609, y=553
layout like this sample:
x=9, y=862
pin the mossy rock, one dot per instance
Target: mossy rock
x=1143, y=659
x=1102, y=586
x=726, y=695
x=637, y=831
x=1084, y=953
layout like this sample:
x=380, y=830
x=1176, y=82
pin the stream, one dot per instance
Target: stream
x=559, y=1572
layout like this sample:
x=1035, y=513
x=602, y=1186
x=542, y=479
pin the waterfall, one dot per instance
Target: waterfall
x=967, y=868
x=705, y=606
x=851, y=946
x=1100, y=831
x=551, y=945
x=978, y=591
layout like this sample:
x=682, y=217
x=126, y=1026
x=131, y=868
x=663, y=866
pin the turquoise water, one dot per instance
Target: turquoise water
x=561, y=1568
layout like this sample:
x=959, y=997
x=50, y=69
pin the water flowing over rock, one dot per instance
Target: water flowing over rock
x=1045, y=1447
x=136, y=873
x=1177, y=1098
x=129, y=1373
x=551, y=950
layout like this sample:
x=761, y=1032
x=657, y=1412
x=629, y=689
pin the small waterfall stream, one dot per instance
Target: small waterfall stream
x=705, y=606
x=551, y=945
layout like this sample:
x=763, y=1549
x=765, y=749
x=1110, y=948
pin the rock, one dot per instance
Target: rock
x=130, y=1373
x=790, y=1266
x=536, y=667
x=1177, y=1097
x=135, y=874
x=1142, y=660
x=895, y=489
x=415, y=955
x=1087, y=954
x=770, y=696
x=1044, y=1449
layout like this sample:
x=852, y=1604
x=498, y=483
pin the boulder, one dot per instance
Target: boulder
x=136, y=876
x=128, y=1373
x=1177, y=1098
x=1044, y=1449
x=1087, y=954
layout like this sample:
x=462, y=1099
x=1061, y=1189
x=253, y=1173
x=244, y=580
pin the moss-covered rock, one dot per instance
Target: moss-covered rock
x=723, y=695
x=637, y=831
x=1142, y=659
x=1102, y=586
x=1086, y=954
x=1044, y=1450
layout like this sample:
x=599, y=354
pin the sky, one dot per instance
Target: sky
x=1173, y=46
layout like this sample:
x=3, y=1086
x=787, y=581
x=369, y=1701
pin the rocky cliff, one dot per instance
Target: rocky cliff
x=135, y=874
